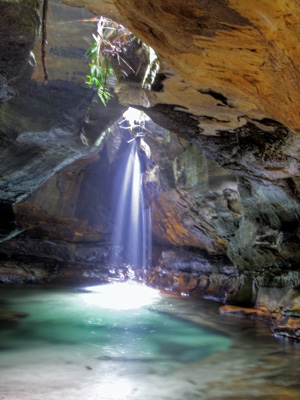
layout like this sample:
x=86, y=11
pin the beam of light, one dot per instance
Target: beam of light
x=120, y=296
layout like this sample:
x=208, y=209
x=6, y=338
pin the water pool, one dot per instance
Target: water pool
x=72, y=347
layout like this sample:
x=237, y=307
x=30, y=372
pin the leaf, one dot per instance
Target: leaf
x=103, y=43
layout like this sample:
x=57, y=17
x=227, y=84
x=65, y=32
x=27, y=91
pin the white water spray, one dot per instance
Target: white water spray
x=132, y=225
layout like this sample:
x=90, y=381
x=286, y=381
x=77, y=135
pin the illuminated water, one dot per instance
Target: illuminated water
x=132, y=220
x=70, y=347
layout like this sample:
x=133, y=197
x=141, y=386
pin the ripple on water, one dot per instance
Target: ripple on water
x=67, y=349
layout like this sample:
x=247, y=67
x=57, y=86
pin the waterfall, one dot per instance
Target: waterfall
x=132, y=221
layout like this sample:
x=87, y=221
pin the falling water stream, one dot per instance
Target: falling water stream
x=132, y=222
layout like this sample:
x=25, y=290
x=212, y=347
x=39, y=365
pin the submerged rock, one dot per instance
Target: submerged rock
x=246, y=312
x=9, y=317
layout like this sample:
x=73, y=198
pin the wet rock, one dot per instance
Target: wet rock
x=8, y=225
x=267, y=237
x=39, y=270
x=45, y=127
x=267, y=151
x=244, y=293
x=178, y=221
x=287, y=326
x=246, y=312
x=69, y=35
x=71, y=206
x=19, y=25
x=233, y=200
x=9, y=316
x=287, y=322
x=15, y=272
x=51, y=126
x=192, y=272
x=186, y=190
x=280, y=306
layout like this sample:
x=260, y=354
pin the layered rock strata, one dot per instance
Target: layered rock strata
x=19, y=25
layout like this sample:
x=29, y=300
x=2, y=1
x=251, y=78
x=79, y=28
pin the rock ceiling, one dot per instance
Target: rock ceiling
x=228, y=81
x=228, y=61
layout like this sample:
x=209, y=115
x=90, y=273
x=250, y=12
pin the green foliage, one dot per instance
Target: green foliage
x=167, y=136
x=110, y=42
x=100, y=70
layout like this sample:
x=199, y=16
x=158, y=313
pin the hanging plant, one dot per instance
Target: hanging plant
x=110, y=42
x=100, y=72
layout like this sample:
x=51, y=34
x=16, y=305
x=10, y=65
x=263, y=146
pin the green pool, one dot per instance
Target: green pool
x=78, y=344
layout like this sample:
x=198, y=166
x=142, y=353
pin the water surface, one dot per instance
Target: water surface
x=175, y=348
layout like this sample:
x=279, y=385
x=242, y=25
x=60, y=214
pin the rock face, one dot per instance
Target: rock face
x=67, y=222
x=236, y=60
x=188, y=202
x=44, y=129
x=19, y=24
x=47, y=127
x=66, y=226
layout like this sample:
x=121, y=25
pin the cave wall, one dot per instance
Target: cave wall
x=44, y=127
x=229, y=60
x=19, y=25
x=187, y=192
x=65, y=226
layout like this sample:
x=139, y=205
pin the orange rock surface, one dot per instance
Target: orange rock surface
x=231, y=60
x=249, y=312
x=175, y=224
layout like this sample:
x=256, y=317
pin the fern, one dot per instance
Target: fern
x=100, y=72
